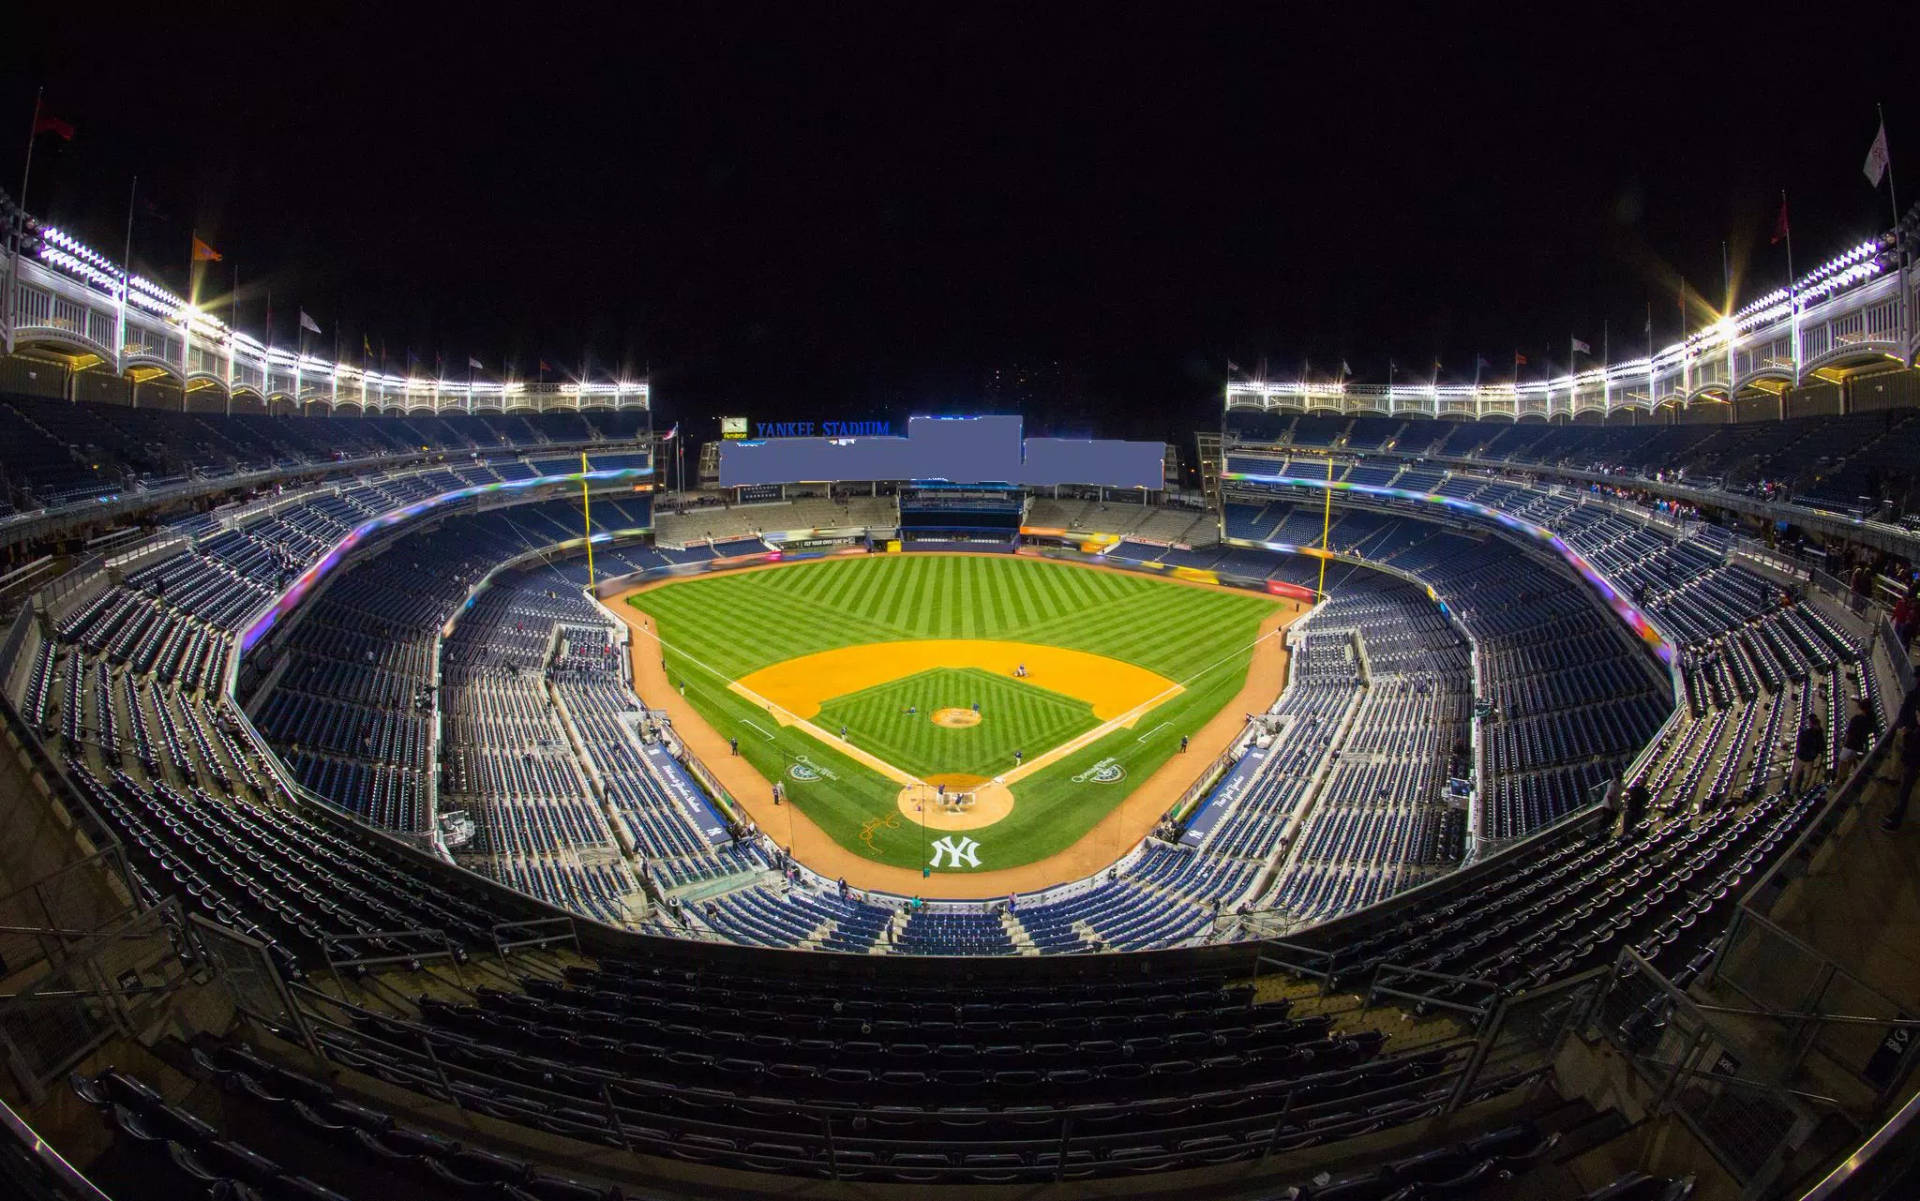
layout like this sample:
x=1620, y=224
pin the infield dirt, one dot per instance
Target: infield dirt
x=1110, y=838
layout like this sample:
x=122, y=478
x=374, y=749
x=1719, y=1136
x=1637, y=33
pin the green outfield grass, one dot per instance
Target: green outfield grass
x=1012, y=717
x=719, y=628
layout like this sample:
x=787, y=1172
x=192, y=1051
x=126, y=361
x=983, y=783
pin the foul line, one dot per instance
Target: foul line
x=755, y=727
x=901, y=776
x=1155, y=730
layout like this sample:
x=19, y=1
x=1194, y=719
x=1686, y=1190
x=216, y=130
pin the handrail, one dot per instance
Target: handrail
x=1394, y=972
x=1802, y=1017
x=42, y=1152
x=1863, y=1167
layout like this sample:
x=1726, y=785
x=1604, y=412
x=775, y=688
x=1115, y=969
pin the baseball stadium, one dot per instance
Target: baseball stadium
x=450, y=784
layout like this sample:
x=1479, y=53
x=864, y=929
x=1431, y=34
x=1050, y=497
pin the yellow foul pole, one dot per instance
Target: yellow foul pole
x=1326, y=524
x=586, y=514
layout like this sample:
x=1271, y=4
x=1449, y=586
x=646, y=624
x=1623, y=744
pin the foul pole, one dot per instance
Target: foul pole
x=586, y=516
x=1326, y=525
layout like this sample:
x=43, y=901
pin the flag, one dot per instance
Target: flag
x=203, y=253
x=1519, y=360
x=1480, y=361
x=308, y=323
x=671, y=434
x=1780, y=228
x=1582, y=347
x=1233, y=368
x=48, y=123
x=543, y=367
x=1876, y=165
x=476, y=364
x=366, y=349
x=1344, y=369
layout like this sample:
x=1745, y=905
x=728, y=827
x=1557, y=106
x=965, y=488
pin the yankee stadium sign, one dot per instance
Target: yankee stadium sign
x=822, y=429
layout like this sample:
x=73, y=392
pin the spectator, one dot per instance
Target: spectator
x=1908, y=732
x=1638, y=798
x=1859, y=736
x=1809, y=754
x=1609, y=811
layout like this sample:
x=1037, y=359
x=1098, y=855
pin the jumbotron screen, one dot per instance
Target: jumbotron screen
x=962, y=450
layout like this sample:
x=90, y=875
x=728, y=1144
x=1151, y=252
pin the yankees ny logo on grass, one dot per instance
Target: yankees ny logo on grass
x=955, y=853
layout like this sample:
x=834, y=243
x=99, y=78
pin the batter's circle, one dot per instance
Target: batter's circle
x=990, y=802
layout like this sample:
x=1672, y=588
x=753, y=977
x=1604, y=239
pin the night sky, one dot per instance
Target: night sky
x=814, y=211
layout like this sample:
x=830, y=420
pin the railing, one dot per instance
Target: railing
x=1303, y=962
x=1523, y=1035
x=79, y=574
x=110, y=986
x=55, y=1174
x=1697, y=1072
x=1887, y=1151
x=44, y=921
x=410, y=947
x=509, y=937
x=1410, y=985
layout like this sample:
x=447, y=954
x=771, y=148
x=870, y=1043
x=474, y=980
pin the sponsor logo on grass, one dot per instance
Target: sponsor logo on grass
x=1107, y=771
x=804, y=770
x=956, y=854
x=871, y=830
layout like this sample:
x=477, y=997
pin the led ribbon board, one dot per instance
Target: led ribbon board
x=366, y=529
x=1636, y=621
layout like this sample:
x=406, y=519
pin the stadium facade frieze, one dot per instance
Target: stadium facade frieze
x=1855, y=310
x=65, y=298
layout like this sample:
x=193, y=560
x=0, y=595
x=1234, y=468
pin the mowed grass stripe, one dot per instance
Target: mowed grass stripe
x=741, y=622
x=1014, y=716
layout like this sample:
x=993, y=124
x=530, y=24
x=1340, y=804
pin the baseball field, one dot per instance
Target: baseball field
x=964, y=713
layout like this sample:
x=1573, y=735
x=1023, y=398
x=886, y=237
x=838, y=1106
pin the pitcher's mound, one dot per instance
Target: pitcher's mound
x=954, y=719
x=971, y=801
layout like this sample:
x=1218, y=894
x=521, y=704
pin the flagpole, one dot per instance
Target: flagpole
x=126, y=283
x=1651, y=387
x=1546, y=371
x=1899, y=243
x=1793, y=295
x=33, y=131
x=1685, y=363
x=1893, y=193
x=233, y=330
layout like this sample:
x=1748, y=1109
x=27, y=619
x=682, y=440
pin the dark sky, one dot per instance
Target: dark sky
x=811, y=210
